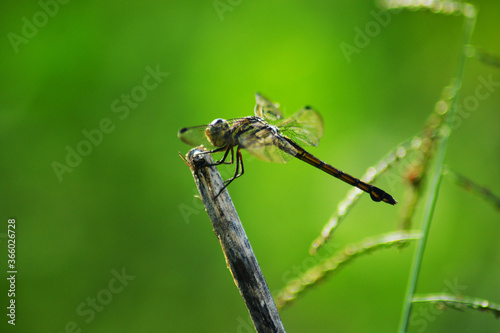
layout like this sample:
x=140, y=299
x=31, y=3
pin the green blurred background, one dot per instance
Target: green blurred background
x=129, y=206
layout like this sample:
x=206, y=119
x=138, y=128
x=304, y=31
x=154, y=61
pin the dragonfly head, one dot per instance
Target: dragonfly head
x=217, y=132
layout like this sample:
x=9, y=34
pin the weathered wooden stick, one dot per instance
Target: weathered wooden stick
x=240, y=258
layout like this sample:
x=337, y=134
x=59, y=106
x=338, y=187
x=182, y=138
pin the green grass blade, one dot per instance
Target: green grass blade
x=436, y=171
x=459, y=302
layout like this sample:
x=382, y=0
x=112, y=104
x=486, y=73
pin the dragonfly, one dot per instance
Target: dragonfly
x=270, y=137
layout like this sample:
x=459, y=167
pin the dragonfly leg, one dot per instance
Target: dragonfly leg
x=239, y=161
x=237, y=173
x=216, y=150
x=238, y=155
x=223, y=159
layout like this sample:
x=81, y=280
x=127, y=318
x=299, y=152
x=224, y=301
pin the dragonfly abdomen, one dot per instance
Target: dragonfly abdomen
x=376, y=193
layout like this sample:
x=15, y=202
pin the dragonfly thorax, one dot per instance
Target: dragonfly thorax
x=218, y=132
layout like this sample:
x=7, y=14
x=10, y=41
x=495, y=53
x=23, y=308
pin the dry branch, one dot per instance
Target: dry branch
x=239, y=255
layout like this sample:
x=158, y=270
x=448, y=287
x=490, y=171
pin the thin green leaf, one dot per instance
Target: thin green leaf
x=459, y=302
x=339, y=259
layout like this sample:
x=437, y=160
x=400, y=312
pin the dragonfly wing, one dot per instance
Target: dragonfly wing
x=195, y=136
x=266, y=145
x=266, y=109
x=304, y=127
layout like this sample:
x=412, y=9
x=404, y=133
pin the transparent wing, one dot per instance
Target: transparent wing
x=266, y=145
x=304, y=127
x=195, y=136
x=266, y=109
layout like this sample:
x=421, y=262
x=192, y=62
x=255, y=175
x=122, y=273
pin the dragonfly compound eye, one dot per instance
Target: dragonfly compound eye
x=217, y=122
x=217, y=132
